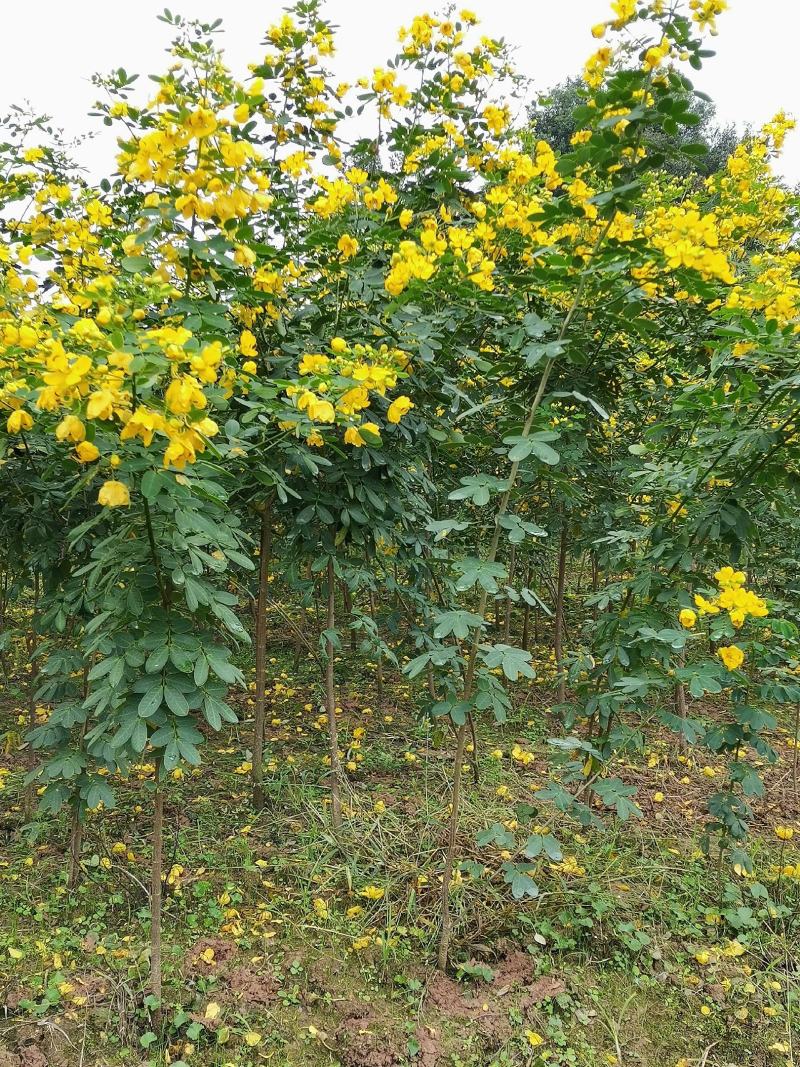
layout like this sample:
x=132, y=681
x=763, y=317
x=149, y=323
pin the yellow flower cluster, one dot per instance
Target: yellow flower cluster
x=733, y=597
x=688, y=238
x=772, y=289
x=595, y=67
x=77, y=372
x=408, y=263
x=739, y=602
x=351, y=375
x=704, y=12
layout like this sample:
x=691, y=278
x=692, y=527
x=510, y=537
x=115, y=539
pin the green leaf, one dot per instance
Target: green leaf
x=615, y=794
x=518, y=877
x=513, y=661
x=225, y=671
x=152, y=481
x=151, y=701
x=476, y=570
x=496, y=835
x=139, y=736
x=200, y=671
x=175, y=701
x=136, y=264
x=457, y=623
x=228, y=619
x=478, y=488
x=171, y=756
x=157, y=659
x=539, y=843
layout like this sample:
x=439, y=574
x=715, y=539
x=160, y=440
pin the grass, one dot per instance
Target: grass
x=638, y=950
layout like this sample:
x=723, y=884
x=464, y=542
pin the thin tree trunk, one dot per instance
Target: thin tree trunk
x=476, y=771
x=559, y=620
x=347, y=597
x=449, y=863
x=330, y=702
x=526, y=617
x=431, y=683
x=29, y=796
x=310, y=577
x=4, y=661
x=379, y=663
x=75, y=847
x=507, y=621
x=265, y=549
x=76, y=826
x=579, y=578
x=680, y=709
x=155, y=899
x=595, y=582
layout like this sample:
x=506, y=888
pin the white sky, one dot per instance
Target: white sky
x=53, y=47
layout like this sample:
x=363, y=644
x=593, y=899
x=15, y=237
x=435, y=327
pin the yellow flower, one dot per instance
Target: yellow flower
x=373, y=892
x=398, y=408
x=247, y=343
x=732, y=656
x=595, y=66
x=784, y=833
x=252, y=1038
x=705, y=607
x=496, y=118
x=734, y=949
x=114, y=494
x=727, y=577
x=347, y=245
x=18, y=421
x=70, y=429
x=338, y=345
x=534, y=1039
x=183, y=394
x=316, y=409
x=101, y=405
x=87, y=452
x=28, y=337
x=406, y=215
x=249, y=366
x=687, y=618
x=314, y=364
x=201, y=122
x=353, y=437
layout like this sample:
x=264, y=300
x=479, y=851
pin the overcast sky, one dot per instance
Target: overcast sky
x=53, y=47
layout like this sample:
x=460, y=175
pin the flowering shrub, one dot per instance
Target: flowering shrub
x=406, y=363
